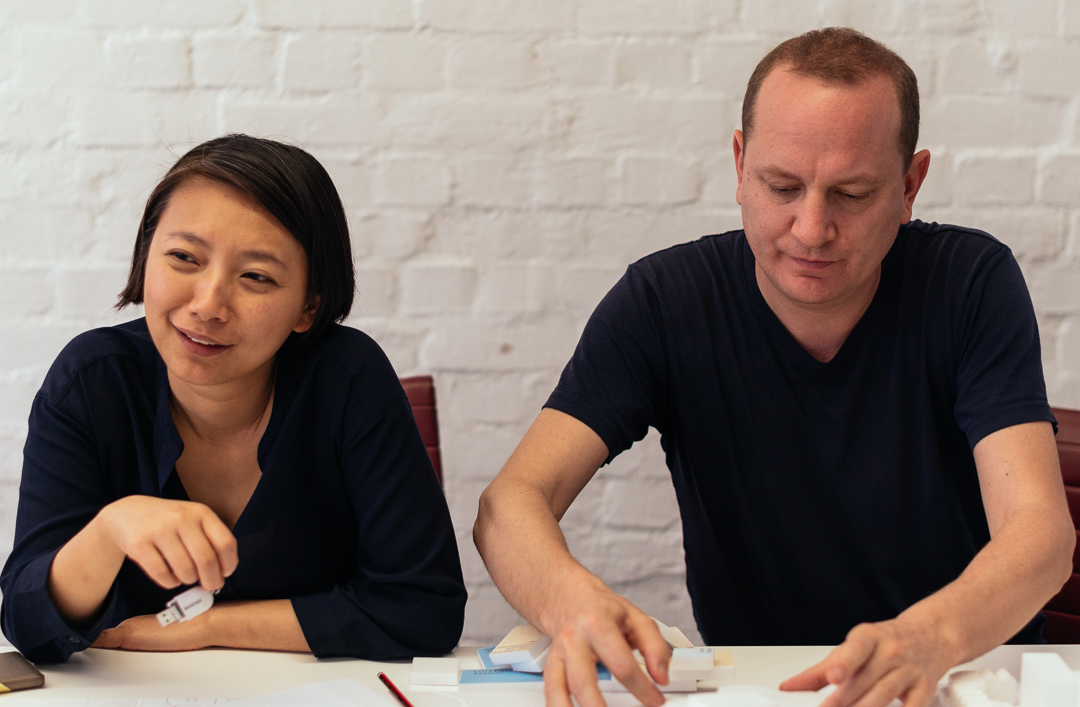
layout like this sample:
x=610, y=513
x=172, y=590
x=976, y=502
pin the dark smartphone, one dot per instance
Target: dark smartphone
x=17, y=673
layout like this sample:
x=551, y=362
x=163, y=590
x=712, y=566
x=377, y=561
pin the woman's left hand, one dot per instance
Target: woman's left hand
x=145, y=633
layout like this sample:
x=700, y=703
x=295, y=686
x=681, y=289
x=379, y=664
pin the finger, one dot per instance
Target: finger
x=616, y=655
x=811, y=679
x=223, y=542
x=154, y=566
x=884, y=690
x=176, y=555
x=581, y=675
x=556, y=690
x=877, y=669
x=921, y=694
x=109, y=638
x=204, y=557
x=847, y=659
x=644, y=635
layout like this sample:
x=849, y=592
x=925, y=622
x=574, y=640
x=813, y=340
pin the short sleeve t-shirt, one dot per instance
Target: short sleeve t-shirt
x=814, y=495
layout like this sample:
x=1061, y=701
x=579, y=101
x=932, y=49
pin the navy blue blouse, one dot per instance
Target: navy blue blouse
x=348, y=520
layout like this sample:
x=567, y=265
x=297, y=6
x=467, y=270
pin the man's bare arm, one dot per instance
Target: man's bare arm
x=517, y=533
x=1025, y=563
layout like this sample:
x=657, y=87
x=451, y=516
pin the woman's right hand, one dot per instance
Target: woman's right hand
x=174, y=542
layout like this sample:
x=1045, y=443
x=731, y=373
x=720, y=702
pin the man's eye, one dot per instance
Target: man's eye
x=781, y=190
x=854, y=197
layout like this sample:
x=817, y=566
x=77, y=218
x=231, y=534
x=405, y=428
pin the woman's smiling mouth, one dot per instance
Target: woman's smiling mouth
x=200, y=344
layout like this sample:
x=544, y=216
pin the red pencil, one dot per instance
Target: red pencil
x=393, y=688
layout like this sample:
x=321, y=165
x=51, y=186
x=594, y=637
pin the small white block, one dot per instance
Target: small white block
x=434, y=671
x=1046, y=681
x=686, y=659
x=533, y=666
x=672, y=686
x=522, y=645
x=674, y=637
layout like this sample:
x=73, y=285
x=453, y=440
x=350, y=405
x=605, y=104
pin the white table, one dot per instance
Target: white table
x=234, y=673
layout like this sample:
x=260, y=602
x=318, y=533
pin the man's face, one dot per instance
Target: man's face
x=823, y=188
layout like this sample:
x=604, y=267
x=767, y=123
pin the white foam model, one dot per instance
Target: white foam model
x=434, y=671
x=525, y=650
x=981, y=688
x=1046, y=681
x=734, y=698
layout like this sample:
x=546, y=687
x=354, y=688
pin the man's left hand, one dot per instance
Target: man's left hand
x=145, y=633
x=903, y=658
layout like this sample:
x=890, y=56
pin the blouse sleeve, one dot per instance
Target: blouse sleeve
x=409, y=596
x=59, y=494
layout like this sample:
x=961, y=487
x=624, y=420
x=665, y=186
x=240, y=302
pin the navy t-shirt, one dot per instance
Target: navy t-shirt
x=814, y=495
x=348, y=519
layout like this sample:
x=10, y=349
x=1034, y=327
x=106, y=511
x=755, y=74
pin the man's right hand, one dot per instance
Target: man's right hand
x=601, y=626
x=518, y=535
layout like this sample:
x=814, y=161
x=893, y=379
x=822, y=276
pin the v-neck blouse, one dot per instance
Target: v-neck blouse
x=348, y=519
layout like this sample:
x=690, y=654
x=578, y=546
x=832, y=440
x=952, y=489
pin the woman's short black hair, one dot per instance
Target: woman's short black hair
x=291, y=185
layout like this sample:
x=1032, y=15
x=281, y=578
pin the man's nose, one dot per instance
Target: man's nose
x=813, y=222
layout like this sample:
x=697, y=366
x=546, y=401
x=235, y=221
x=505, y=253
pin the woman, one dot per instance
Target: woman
x=235, y=438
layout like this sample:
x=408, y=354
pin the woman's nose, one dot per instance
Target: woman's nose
x=209, y=300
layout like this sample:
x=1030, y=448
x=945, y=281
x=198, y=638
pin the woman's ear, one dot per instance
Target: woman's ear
x=307, y=317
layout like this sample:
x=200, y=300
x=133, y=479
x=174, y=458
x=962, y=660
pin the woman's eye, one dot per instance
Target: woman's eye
x=258, y=277
x=181, y=256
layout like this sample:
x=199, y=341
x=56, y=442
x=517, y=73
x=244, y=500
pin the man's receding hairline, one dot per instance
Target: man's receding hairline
x=792, y=68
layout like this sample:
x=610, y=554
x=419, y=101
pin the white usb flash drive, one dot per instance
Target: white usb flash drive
x=186, y=605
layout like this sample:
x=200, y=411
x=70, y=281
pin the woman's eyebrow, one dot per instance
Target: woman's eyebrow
x=259, y=255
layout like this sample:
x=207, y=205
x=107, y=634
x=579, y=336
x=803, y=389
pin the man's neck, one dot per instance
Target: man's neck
x=821, y=329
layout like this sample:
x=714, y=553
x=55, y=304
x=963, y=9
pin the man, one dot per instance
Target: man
x=851, y=403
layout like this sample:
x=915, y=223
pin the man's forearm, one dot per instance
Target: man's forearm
x=525, y=551
x=1026, y=563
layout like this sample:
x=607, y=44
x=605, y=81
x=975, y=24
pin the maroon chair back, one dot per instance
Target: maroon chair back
x=421, y=393
x=1063, y=611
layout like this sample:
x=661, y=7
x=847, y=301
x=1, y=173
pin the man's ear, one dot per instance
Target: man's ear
x=913, y=180
x=738, y=147
x=307, y=317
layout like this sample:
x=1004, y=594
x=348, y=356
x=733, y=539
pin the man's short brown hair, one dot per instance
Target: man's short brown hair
x=842, y=55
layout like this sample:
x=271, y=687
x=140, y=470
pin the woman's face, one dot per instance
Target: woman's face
x=225, y=285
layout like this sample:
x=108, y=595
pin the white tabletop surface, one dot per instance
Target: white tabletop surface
x=232, y=673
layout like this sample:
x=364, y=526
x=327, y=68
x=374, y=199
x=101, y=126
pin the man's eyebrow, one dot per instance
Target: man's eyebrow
x=861, y=179
x=259, y=255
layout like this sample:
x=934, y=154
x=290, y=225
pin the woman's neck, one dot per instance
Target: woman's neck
x=222, y=414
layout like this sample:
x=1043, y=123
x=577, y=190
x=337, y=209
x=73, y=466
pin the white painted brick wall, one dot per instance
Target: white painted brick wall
x=501, y=163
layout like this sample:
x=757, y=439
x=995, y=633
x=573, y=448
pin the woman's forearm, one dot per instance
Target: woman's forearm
x=269, y=625
x=82, y=573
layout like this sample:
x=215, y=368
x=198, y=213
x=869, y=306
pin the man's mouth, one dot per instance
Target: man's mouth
x=812, y=264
